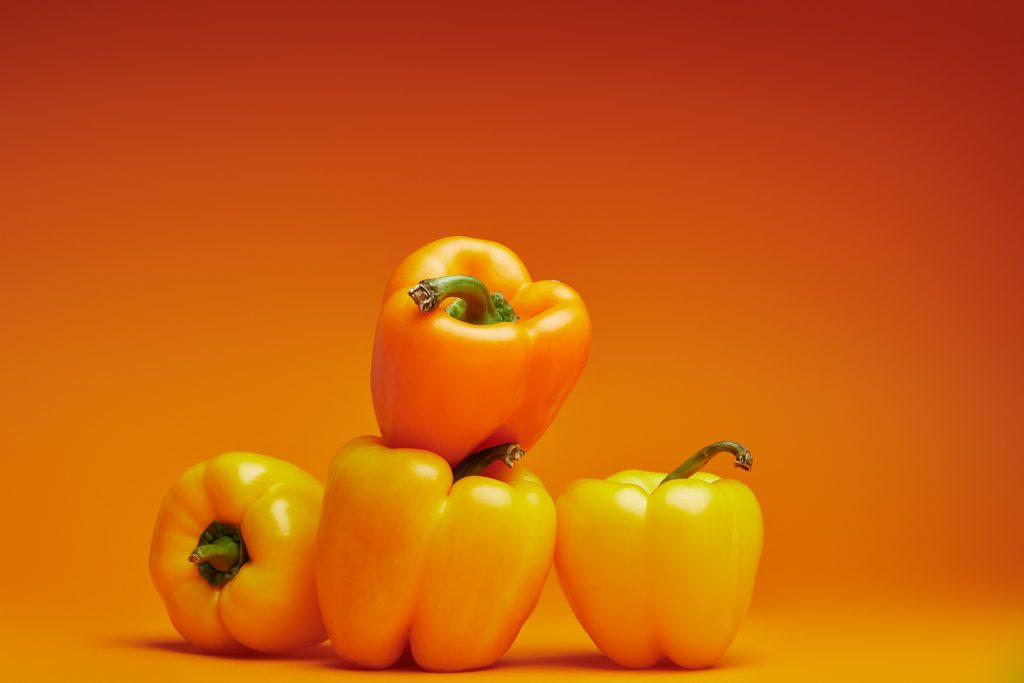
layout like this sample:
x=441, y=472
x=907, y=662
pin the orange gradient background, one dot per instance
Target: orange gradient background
x=795, y=227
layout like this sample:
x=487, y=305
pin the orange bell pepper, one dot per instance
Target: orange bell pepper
x=493, y=367
x=406, y=558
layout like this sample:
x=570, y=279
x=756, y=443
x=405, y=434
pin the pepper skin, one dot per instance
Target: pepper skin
x=655, y=570
x=493, y=375
x=232, y=555
x=407, y=559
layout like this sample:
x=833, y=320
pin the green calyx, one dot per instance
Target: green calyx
x=743, y=459
x=220, y=553
x=473, y=304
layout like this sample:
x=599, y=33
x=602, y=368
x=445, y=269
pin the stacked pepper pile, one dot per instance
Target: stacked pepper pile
x=432, y=537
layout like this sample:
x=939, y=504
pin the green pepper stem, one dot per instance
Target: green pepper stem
x=479, y=306
x=508, y=453
x=700, y=458
x=222, y=554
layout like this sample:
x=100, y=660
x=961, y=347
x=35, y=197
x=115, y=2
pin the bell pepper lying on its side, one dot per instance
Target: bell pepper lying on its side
x=492, y=367
x=407, y=558
x=232, y=555
x=657, y=565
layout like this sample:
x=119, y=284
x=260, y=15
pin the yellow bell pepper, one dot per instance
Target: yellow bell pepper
x=659, y=566
x=232, y=555
x=406, y=558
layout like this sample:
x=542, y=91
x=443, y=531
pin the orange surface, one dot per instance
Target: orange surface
x=798, y=228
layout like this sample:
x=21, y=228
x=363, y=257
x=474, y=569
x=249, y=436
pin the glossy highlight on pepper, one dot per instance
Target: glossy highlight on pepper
x=657, y=565
x=408, y=559
x=479, y=356
x=232, y=555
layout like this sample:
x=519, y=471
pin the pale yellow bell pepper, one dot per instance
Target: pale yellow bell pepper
x=658, y=566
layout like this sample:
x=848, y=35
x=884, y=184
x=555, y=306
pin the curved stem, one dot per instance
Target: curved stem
x=701, y=458
x=222, y=554
x=508, y=453
x=481, y=307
